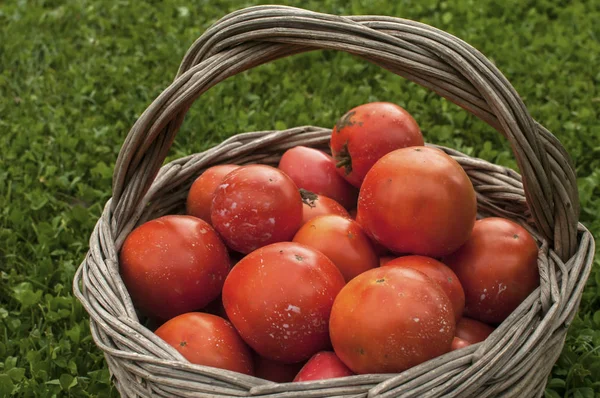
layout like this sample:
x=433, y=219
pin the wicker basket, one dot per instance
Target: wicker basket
x=514, y=361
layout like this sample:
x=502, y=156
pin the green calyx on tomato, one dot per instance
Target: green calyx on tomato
x=308, y=197
x=343, y=159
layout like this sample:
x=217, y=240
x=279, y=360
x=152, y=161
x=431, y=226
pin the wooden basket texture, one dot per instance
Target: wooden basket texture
x=513, y=362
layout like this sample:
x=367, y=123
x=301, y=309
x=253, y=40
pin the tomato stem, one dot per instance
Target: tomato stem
x=308, y=197
x=343, y=163
x=344, y=159
x=345, y=121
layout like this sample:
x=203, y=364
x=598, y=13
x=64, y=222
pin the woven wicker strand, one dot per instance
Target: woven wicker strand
x=513, y=362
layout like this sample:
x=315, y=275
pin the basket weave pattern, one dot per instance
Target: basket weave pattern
x=514, y=361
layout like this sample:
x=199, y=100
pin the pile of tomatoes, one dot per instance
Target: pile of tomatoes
x=367, y=261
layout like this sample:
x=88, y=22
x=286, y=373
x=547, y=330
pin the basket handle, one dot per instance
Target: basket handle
x=426, y=55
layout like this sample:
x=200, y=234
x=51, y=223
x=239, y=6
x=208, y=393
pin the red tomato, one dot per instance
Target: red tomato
x=458, y=343
x=472, y=331
x=342, y=240
x=275, y=371
x=441, y=274
x=256, y=205
x=385, y=259
x=206, y=339
x=368, y=132
x=323, y=365
x=497, y=267
x=418, y=200
x=389, y=319
x=314, y=171
x=319, y=205
x=279, y=298
x=201, y=193
x=172, y=265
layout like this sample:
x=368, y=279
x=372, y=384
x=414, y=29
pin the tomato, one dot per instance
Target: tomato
x=279, y=298
x=276, y=371
x=497, y=268
x=385, y=259
x=323, y=365
x=389, y=319
x=472, y=331
x=206, y=339
x=418, y=201
x=314, y=171
x=342, y=240
x=201, y=192
x=441, y=274
x=256, y=205
x=319, y=205
x=172, y=265
x=458, y=343
x=368, y=132
x=469, y=331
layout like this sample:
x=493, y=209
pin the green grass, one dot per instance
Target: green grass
x=75, y=75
